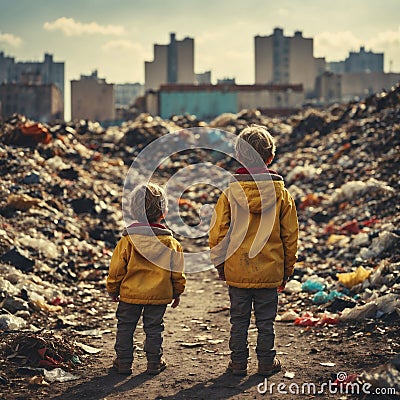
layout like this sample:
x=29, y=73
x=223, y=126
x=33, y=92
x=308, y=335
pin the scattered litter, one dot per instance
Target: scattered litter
x=289, y=375
x=308, y=319
x=192, y=344
x=59, y=375
x=384, y=376
x=312, y=286
x=215, y=341
x=351, y=279
x=293, y=286
x=9, y=322
x=38, y=380
x=220, y=309
x=288, y=316
x=359, y=313
x=87, y=349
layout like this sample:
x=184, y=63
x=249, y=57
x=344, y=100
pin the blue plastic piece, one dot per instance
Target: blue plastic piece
x=312, y=286
x=333, y=294
x=320, y=297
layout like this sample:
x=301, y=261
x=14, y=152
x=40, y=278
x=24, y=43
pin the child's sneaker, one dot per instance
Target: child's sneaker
x=269, y=369
x=121, y=367
x=154, y=368
x=238, y=368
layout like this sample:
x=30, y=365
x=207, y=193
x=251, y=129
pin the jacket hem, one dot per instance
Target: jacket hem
x=145, y=301
x=252, y=285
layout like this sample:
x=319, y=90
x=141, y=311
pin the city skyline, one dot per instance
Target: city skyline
x=117, y=38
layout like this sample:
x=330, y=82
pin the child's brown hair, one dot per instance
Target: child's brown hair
x=148, y=203
x=260, y=140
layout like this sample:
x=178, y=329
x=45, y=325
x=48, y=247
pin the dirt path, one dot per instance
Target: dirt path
x=196, y=349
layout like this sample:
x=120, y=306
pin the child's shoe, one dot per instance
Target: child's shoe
x=269, y=369
x=121, y=367
x=154, y=368
x=238, y=368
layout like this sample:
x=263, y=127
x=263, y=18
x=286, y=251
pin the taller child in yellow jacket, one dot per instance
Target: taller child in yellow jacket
x=146, y=273
x=253, y=241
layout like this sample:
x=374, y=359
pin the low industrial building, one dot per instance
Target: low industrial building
x=92, y=99
x=332, y=87
x=40, y=102
x=208, y=101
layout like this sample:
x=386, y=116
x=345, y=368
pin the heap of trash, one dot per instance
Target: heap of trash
x=60, y=217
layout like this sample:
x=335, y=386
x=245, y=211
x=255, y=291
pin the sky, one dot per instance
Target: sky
x=116, y=37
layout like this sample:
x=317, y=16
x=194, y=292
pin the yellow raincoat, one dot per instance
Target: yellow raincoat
x=254, y=231
x=146, y=267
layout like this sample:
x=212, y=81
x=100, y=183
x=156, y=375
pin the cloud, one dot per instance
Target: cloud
x=388, y=42
x=70, y=27
x=385, y=39
x=10, y=39
x=335, y=45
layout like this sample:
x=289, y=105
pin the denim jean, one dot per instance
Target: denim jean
x=128, y=316
x=265, y=303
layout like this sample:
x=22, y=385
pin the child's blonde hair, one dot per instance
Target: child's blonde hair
x=261, y=141
x=148, y=203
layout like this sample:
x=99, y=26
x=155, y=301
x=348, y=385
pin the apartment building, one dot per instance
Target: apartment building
x=173, y=63
x=281, y=59
x=92, y=98
x=43, y=103
x=32, y=72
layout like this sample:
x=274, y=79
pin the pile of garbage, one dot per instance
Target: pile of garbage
x=60, y=211
x=343, y=174
x=44, y=358
x=59, y=219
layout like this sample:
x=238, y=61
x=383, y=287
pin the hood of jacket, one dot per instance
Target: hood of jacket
x=152, y=241
x=256, y=192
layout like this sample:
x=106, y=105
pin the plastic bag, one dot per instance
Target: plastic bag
x=320, y=297
x=59, y=375
x=293, y=286
x=312, y=286
x=350, y=279
x=359, y=313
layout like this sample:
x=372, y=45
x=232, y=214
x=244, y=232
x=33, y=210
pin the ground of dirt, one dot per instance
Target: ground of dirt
x=196, y=349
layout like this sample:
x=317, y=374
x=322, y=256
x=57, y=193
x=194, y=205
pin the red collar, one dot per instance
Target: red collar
x=256, y=170
x=135, y=224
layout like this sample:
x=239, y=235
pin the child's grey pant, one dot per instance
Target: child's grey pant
x=128, y=316
x=265, y=302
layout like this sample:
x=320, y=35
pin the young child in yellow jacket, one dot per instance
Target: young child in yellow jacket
x=253, y=240
x=146, y=274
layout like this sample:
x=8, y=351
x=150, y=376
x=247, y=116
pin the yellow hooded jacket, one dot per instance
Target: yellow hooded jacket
x=146, y=267
x=254, y=231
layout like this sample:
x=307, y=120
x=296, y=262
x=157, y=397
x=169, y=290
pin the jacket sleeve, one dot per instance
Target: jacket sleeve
x=177, y=276
x=220, y=224
x=289, y=232
x=117, y=270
